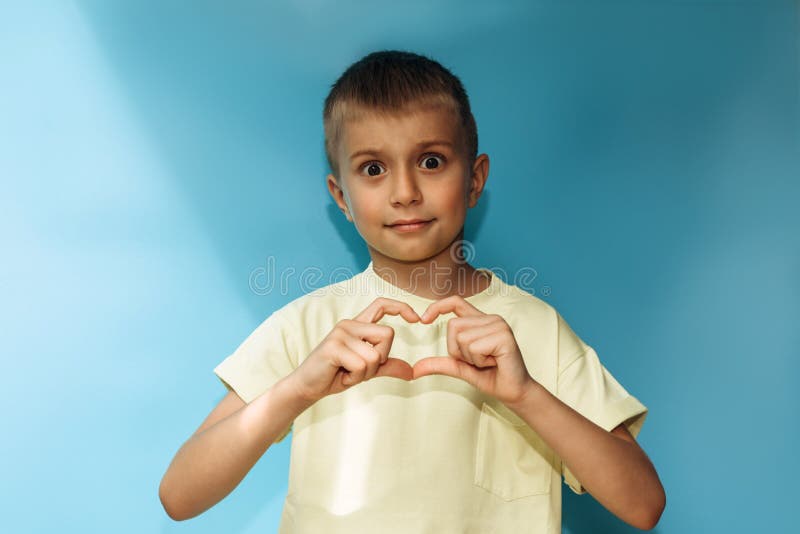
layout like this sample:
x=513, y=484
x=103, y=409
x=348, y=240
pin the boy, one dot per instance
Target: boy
x=425, y=395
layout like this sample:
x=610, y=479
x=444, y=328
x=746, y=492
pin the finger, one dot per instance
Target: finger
x=455, y=327
x=489, y=347
x=353, y=364
x=396, y=368
x=463, y=347
x=443, y=365
x=382, y=306
x=380, y=336
x=453, y=346
x=473, y=345
x=371, y=357
x=454, y=303
x=471, y=321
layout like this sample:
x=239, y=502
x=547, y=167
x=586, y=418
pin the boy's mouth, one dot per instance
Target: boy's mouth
x=410, y=225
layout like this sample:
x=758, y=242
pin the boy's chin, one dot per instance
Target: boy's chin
x=409, y=256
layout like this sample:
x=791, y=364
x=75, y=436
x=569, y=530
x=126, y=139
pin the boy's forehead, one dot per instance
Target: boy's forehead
x=370, y=129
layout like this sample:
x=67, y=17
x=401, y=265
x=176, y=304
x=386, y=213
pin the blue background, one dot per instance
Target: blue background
x=155, y=155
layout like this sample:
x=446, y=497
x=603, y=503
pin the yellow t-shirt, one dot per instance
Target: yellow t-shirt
x=434, y=455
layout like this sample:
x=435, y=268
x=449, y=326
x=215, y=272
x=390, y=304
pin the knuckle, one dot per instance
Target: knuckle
x=337, y=338
x=331, y=344
x=387, y=331
x=374, y=356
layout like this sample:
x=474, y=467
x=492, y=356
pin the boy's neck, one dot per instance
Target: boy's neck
x=433, y=278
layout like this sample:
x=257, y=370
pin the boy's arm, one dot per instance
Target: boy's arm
x=610, y=465
x=222, y=451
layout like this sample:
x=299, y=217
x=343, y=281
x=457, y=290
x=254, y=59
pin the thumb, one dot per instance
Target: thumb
x=396, y=368
x=445, y=365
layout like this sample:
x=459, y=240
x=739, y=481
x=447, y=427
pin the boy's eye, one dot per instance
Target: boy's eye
x=431, y=158
x=373, y=168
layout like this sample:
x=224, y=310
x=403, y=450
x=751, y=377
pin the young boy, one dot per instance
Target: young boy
x=424, y=394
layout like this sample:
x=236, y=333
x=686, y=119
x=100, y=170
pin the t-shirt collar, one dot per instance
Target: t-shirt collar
x=384, y=288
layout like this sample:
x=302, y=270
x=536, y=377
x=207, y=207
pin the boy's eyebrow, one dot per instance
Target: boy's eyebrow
x=420, y=145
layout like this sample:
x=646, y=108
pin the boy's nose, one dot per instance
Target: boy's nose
x=405, y=189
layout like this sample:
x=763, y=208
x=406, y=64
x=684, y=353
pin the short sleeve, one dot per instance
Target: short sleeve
x=587, y=387
x=266, y=356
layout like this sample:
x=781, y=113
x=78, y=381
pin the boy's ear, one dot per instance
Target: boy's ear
x=480, y=173
x=338, y=195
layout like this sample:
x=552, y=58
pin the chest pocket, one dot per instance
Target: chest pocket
x=511, y=460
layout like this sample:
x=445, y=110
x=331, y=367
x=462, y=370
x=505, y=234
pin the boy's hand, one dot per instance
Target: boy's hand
x=354, y=351
x=483, y=351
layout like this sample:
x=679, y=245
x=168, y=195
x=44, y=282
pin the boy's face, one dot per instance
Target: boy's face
x=409, y=165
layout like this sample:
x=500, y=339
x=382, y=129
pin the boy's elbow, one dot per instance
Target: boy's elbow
x=652, y=518
x=168, y=504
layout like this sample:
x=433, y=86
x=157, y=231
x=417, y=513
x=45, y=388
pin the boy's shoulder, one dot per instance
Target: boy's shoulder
x=509, y=299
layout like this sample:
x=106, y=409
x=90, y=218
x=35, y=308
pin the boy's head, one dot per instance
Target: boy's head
x=402, y=144
x=393, y=81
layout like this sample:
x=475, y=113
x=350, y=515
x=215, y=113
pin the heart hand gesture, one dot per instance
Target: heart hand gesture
x=354, y=351
x=482, y=351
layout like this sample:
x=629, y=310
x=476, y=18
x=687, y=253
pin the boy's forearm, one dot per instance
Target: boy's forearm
x=213, y=462
x=616, y=472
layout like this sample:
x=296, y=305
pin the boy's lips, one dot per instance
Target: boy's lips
x=410, y=225
x=408, y=221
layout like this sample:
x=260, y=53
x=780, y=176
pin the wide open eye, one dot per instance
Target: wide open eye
x=429, y=161
x=372, y=168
